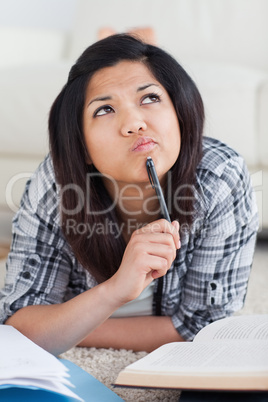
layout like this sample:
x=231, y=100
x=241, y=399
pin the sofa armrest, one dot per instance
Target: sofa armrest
x=263, y=124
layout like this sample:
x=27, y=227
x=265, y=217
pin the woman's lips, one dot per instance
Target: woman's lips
x=143, y=144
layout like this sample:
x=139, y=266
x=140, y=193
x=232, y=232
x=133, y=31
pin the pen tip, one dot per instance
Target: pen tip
x=148, y=158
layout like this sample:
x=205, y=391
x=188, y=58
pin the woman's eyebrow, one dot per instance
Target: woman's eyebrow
x=146, y=86
x=99, y=99
x=105, y=98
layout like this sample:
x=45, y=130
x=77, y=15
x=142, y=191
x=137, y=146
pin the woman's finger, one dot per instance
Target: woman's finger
x=166, y=251
x=158, y=266
x=162, y=226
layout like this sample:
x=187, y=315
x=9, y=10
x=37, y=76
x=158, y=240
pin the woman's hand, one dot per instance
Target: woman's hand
x=148, y=255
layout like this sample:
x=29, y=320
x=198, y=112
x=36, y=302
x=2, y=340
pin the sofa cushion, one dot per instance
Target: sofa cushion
x=233, y=96
x=21, y=46
x=27, y=94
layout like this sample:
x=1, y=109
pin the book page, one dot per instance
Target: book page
x=244, y=327
x=26, y=364
x=188, y=357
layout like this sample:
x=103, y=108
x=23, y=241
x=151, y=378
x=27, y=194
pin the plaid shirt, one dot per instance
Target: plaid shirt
x=208, y=280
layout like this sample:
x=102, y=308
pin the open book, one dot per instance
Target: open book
x=24, y=364
x=229, y=354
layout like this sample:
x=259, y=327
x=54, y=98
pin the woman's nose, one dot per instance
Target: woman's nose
x=133, y=123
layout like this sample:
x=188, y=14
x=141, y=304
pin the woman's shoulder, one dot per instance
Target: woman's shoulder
x=221, y=171
x=45, y=171
x=41, y=188
x=219, y=160
x=217, y=155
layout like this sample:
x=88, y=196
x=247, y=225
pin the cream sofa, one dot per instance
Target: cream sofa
x=223, y=44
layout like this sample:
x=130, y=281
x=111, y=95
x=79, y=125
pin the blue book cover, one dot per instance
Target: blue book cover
x=87, y=388
x=29, y=373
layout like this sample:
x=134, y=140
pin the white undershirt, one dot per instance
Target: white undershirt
x=142, y=305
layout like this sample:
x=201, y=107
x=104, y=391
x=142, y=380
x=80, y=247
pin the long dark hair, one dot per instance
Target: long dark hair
x=102, y=254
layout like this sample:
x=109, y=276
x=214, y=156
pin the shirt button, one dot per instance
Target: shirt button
x=26, y=275
x=33, y=262
x=213, y=286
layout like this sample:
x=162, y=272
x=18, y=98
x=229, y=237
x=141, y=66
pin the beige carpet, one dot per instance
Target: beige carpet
x=105, y=364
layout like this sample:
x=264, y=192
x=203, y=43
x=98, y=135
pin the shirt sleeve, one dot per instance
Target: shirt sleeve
x=39, y=265
x=215, y=281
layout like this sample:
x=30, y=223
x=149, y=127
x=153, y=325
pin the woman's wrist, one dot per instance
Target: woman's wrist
x=110, y=294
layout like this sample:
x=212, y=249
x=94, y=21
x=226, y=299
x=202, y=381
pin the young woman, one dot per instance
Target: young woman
x=92, y=261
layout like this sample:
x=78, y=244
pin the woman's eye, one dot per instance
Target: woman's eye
x=103, y=110
x=151, y=98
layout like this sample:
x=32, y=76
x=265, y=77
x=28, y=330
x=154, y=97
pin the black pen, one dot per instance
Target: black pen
x=156, y=185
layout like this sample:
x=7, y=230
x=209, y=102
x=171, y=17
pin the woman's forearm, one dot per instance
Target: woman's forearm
x=59, y=327
x=135, y=333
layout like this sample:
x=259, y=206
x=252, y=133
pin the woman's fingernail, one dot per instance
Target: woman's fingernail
x=179, y=244
x=176, y=224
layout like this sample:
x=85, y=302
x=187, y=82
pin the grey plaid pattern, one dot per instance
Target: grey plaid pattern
x=208, y=280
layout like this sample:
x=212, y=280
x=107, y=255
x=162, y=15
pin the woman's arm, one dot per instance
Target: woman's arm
x=57, y=327
x=136, y=333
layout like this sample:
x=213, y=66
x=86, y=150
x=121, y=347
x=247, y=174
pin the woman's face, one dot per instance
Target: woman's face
x=128, y=116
